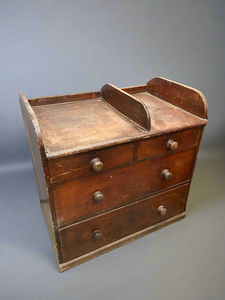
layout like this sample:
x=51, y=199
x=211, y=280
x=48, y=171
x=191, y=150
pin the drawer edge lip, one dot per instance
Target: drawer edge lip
x=121, y=205
x=56, y=183
x=57, y=154
x=74, y=262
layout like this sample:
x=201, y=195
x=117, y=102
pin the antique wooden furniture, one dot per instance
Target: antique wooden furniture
x=114, y=165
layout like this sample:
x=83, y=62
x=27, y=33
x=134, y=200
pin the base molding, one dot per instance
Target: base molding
x=72, y=263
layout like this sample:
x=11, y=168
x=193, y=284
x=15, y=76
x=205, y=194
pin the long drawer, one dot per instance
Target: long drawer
x=75, y=199
x=94, y=233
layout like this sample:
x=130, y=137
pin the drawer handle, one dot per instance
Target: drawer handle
x=167, y=174
x=97, y=235
x=98, y=197
x=172, y=145
x=96, y=164
x=162, y=210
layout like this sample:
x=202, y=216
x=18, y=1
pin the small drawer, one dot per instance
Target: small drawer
x=87, y=196
x=166, y=144
x=89, y=235
x=90, y=163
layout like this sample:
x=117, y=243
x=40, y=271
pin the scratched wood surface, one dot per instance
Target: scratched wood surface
x=129, y=135
x=80, y=125
x=83, y=125
x=77, y=239
x=180, y=95
x=164, y=115
x=129, y=106
x=78, y=165
x=75, y=199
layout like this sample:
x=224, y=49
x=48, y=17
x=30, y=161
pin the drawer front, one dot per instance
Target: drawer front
x=157, y=146
x=77, y=166
x=94, y=233
x=75, y=199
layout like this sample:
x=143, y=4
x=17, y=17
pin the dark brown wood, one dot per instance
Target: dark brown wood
x=63, y=98
x=83, y=258
x=127, y=105
x=78, y=165
x=77, y=240
x=71, y=127
x=167, y=116
x=104, y=176
x=41, y=171
x=134, y=89
x=74, y=199
x=152, y=147
x=36, y=147
x=180, y=95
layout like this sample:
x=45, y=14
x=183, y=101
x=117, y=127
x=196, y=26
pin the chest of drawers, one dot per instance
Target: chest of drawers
x=114, y=165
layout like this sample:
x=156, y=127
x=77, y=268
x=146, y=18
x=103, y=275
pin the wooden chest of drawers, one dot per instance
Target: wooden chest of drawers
x=113, y=165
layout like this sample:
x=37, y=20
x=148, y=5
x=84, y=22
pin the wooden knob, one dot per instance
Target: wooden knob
x=97, y=235
x=162, y=210
x=96, y=164
x=167, y=174
x=171, y=144
x=98, y=197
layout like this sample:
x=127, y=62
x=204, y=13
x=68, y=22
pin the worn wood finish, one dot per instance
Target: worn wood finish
x=78, y=165
x=36, y=146
x=77, y=239
x=41, y=171
x=63, y=98
x=75, y=199
x=127, y=105
x=179, y=95
x=75, y=127
x=153, y=147
x=130, y=238
x=105, y=176
x=166, y=116
x=81, y=125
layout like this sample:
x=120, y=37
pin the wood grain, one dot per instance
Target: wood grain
x=76, y=240
x=75, y=199
x=179, y=95
x=127, y=105
x=41, y=171
x=36, y=147
x=74, y=126
x=130, y=238
x=167, y=117
x=78, y=165
x=152, y=147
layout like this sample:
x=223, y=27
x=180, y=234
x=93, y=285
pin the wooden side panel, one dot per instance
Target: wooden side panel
x=78, y=165
x=77, y=239
x=127, y=105
x=75, y=199
x=179, y=95
x=36, y=146
x=40, y=166
x=155, y=146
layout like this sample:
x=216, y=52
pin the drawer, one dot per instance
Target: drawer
x=75, y=199
x=78, y=165
x=157, y=146
x=89, y=235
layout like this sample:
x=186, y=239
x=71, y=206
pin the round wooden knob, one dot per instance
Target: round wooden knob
x=167, y=174
x=162, y=210
x=171, y=144
x=98, y=197
x=96, y=164
x=97, y=235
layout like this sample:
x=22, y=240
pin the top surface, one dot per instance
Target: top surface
x=72, y=127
